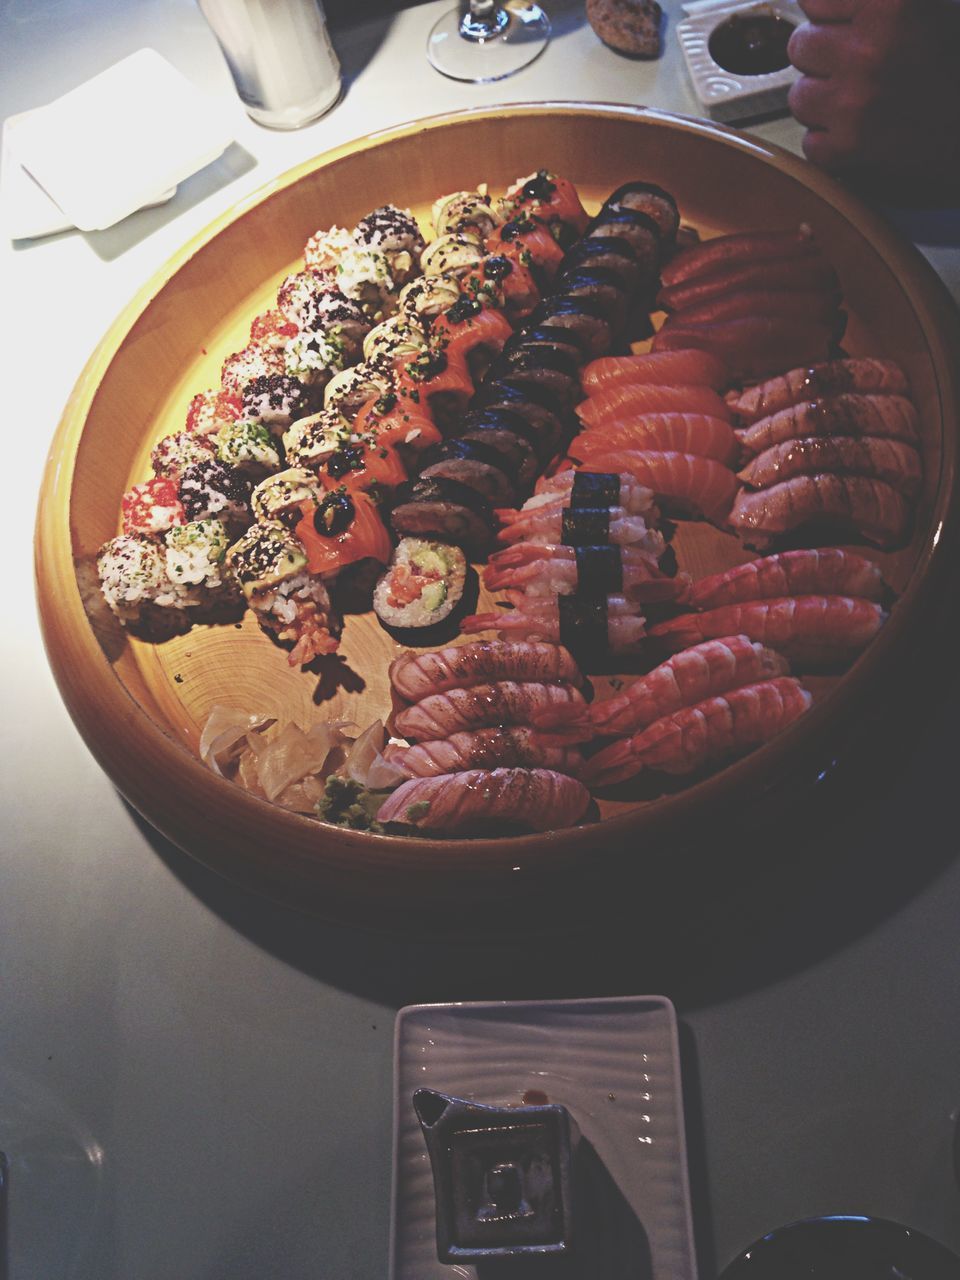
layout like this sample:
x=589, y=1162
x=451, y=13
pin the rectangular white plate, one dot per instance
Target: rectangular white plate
x=613, y=1063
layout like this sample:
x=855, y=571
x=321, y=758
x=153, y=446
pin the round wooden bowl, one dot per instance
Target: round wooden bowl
x=141, y=707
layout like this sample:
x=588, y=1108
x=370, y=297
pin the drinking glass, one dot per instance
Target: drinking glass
x=484, y=40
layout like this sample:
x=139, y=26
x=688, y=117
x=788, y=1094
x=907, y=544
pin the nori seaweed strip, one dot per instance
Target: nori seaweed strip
x=599, y=570
x=583, y=627
x=585, y=526
x=595, y=489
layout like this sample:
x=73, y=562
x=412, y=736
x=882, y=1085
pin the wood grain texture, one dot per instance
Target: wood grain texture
x=140, y=707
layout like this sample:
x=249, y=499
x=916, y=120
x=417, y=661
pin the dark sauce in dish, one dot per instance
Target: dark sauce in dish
x=751, y=44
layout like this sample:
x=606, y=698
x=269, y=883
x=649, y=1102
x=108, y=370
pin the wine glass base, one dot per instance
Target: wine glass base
x=478, y=59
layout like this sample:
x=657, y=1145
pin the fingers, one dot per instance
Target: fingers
x=811, y=102
x=813, y=50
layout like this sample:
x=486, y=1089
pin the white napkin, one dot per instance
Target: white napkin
x=117, y=143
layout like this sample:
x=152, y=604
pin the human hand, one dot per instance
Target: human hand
x=879, y=90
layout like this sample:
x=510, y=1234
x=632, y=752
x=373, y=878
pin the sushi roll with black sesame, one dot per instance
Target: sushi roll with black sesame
x=422, y=587
x=395, y=233
x=291, y=604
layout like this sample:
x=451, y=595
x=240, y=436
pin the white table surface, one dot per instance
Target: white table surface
x=196, y=1085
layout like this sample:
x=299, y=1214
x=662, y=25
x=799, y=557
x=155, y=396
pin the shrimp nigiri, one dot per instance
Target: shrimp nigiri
x=589, y=627
x=703, y=671
x=711, y=731
x=583, y=526
x=806, y=628
x=552, y=570
x=806, y=571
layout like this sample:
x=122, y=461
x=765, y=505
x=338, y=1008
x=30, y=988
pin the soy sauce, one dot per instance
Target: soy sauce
x=751, y=44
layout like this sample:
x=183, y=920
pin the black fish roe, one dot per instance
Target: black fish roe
x=334, y=515
x=463, y=309
x=348, y=458
x=595, y=489
x=202, y=479
x=599, y=570
x=585, y=526
x=583, y=626
x=279, y=389
x=539, y=187
x=497, y=267
x=386, y=221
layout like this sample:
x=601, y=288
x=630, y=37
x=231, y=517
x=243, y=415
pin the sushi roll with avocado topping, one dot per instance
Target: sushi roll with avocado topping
x=423, y=585
x=291, y=604
x=310, y=441
x=279, y=496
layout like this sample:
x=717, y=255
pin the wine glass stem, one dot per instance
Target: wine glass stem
x=484, y=20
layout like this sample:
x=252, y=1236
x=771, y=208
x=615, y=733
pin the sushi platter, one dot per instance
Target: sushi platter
x=458, y=519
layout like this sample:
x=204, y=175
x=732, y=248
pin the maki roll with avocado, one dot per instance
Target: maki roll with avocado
x=423, y=585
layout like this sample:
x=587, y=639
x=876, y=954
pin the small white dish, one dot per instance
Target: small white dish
x=119, y=141
x=729, y=95
x=613, y=1063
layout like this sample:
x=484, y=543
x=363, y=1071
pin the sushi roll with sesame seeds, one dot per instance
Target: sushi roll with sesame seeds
x=352, y=388
x=358, y=270
x=195, y=560
x=279, y=496
x=314, y=356
x=291, y=604
x=309, y=441
x=172, y=455
x=254, y=361
x=151, y=508
x=275, y=400
x=247, y=445
x=138, y=589
x=212, y=490
x=394, y=338
x=209, y=410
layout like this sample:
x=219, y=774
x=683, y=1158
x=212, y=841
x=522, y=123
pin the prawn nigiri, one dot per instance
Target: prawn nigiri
x=589, y=626
x=807, y=571
x=717, y=729
x=583, y=526
x=684, y=482
x=828, y=378
x=572, y=488
x=460, y=666
x=485, y=749
x=439, y=715
x=695, y=433
x=703, y=671
x=537, y=798
x=807, y=628
x=873, y=508
x=552, y=570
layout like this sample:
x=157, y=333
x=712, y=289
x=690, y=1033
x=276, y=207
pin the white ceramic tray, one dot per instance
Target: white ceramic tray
x=614, y=1063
